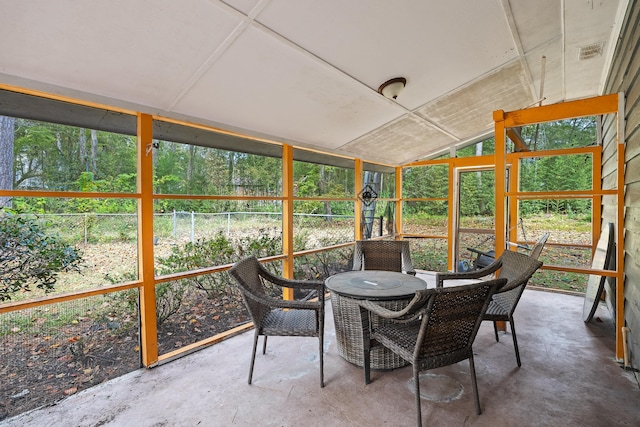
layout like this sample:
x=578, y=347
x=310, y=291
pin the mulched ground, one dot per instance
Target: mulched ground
x=39, y=369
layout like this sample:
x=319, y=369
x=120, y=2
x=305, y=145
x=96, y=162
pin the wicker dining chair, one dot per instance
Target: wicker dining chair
x=436, y=329
x=387, y=255
x=276, y=316
x=517, y=268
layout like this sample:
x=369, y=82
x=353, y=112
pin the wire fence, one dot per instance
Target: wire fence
x=312, y=230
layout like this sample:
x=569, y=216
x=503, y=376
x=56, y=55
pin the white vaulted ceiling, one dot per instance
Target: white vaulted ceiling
x=307, y=72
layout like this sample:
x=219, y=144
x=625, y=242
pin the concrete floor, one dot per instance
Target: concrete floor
x=568, y=378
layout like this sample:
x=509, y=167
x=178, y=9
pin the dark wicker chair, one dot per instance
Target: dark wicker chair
x=275, y=316
x=517, y=268
x=436, y=329
x=387, y=255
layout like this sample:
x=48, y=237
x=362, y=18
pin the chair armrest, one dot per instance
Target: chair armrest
x=411, y=312
x=282, y=303
x=475, y=274
x=316, y=285
x=527, y=272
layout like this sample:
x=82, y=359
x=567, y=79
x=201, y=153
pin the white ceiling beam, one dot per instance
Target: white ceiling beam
x=513, y=28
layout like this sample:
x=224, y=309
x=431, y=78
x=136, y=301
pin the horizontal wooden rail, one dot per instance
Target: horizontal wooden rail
x=68, y=296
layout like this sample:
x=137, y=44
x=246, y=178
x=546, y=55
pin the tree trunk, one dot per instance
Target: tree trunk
x=6, y=158
x=82, y=149
x=192, y=153
x=323, y=186
x=94, y=151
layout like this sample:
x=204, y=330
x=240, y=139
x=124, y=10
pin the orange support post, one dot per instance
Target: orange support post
x=514, y=203
x=500, y=173
x=148, y=326
x=596, y=199
x=287, y=215
x=450, y=219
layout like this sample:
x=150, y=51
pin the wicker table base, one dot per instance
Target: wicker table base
x=391, y=290
x=348, y=322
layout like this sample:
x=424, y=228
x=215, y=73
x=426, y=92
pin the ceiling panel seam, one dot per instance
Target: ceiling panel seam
x=260, y=26
x=208, y=63
x=252, y=20
x=396, y=120
x=435, y=126
x=513, y=28
x=259, y=7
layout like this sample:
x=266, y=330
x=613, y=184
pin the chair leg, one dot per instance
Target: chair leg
x=264, y=345
x=321, y=339
x=474, y=383
x=367, y=365
x=253, y=353
x=495, y=330
x=515, y=341
x=416, y=380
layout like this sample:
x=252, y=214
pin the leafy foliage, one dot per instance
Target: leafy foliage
x=30, y=257
x=218, y=250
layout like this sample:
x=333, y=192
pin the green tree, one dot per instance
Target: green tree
x=425, y=182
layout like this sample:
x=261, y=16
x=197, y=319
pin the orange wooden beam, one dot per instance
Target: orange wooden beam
x=287, y=216
x=500, y=184
x=514, y=204
x=606, y=104
x=148, y=326
x=516, y=138
x=451, y=199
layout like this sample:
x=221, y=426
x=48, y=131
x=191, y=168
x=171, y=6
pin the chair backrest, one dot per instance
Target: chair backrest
x=387, y=255
x=539, y=246
x=451, y=321
x=517, y=268
x=248, y=280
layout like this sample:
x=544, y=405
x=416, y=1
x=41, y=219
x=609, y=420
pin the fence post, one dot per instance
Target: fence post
x=175, y=224
x=228, y=224
x=193, y=227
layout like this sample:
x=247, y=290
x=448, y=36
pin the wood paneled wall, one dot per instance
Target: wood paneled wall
x=624, y=76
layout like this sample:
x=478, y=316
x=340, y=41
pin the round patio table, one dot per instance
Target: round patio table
x=389, y=289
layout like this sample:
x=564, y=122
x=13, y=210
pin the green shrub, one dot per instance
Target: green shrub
x=218, y=251
x=29, y=257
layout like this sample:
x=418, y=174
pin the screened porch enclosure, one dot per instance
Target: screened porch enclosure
x=184, y=202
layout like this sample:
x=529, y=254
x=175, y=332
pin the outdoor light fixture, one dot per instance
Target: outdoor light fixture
x=392, y=88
